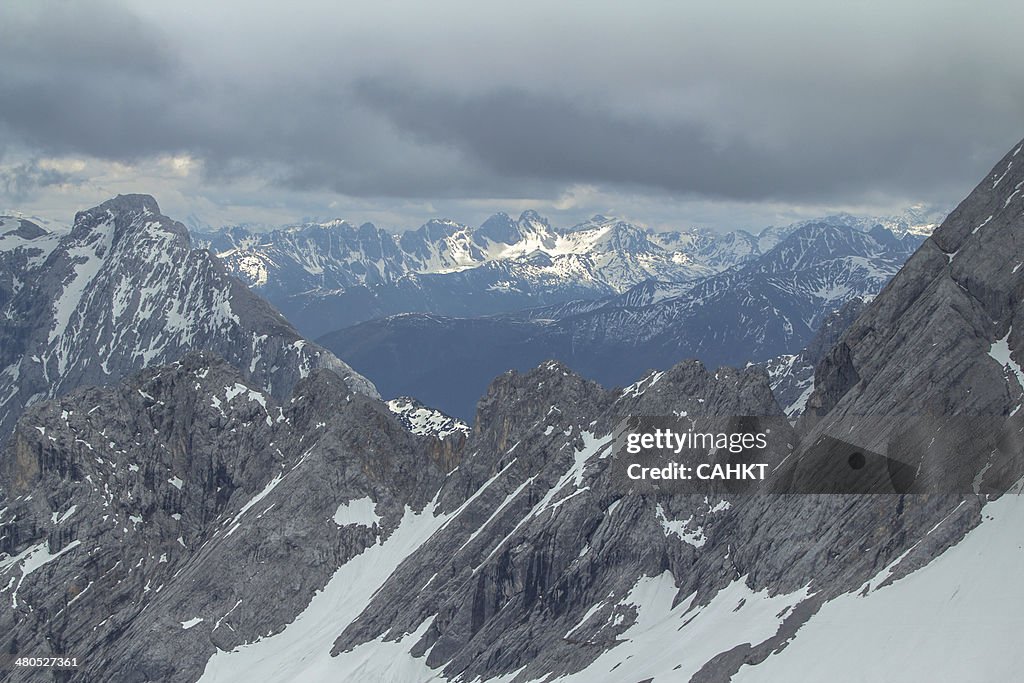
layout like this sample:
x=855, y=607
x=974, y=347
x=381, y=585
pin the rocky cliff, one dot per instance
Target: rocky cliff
x=124, y=290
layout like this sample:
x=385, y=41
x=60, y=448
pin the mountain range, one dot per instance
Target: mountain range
x=326, y=276
x=766, y=306
x=219, y=517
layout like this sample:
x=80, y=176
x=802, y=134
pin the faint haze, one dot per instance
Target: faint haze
x=738, y=114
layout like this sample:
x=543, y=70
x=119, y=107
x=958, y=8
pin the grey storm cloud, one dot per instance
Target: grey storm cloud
x=518, y=134
x=772, y=102
x=21, y=179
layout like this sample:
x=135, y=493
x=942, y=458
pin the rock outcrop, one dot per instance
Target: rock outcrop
x=125, y=290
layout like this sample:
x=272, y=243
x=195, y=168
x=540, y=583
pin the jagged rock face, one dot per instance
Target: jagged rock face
x=130, y=497
x=190, y=494
x=942, y=337
x=526, y=562
x=439, y=244
x=537, y=572
x=542, y=569
x=499, y=228
x=334, y=255
x=23, y=246
x=540, y=533
x=124, y=290
x=793, y=374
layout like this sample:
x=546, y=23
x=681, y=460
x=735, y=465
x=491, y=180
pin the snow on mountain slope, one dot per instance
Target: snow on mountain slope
x=441, y=246
x=773, y=304
x=525, y=563
x=516, y=554
x=16, y=221
x=124, y=290
x=191, y=503
x=325, y=276
x=419, y=419
x=329, y=255
x=916, y=220
x=477, y=515
x=792, y=375
x=302, y=651
x=24, y=244
x=571, y=591
x=187, y=523
x=768, y=307
x=17, y=232
x=652, y=648
x=792, y=382
x=884, y=631
x=716, y=252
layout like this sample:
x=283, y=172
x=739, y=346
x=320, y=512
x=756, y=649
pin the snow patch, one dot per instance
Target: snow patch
x=425, y=421
x=302, y=651
x=669, y=643
x=681, y=529
x=953, y=617
x=361, y=511
x=31, y=559
x=1000, y=352
x=235, y=523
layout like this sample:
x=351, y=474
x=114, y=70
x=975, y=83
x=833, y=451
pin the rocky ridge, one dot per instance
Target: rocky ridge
x=770, y=306
x=118, y=502
x=124, y=290
x=792, y=375
x=514, y=557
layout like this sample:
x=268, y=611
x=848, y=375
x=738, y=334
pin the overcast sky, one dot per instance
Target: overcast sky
x=670, y=112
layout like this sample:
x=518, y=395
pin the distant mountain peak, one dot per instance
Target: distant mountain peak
x=326, y=280
x=533, y=217
x=25, y=229
x=499, y=228
x=123, y=290
x=129, y=203
x=126, y=217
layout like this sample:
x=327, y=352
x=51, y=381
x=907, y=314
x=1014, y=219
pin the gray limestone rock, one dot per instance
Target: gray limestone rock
x=532, y=562
x=941, y=338
x=188, y=503
x=125, y=290
x=793, y=374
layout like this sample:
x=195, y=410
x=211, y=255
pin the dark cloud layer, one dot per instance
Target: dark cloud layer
x=904, y=100
x=20, y=180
